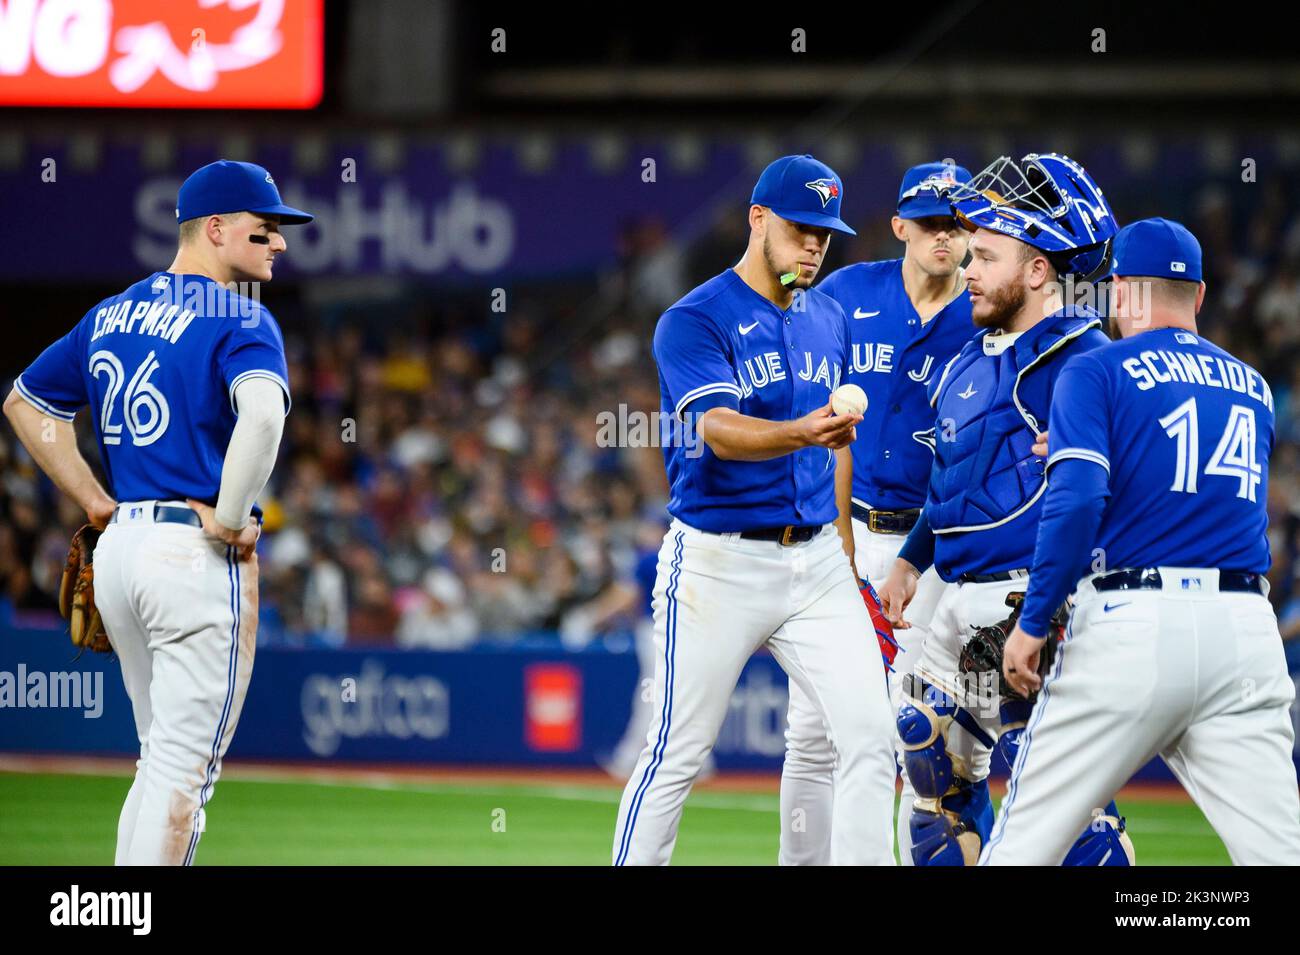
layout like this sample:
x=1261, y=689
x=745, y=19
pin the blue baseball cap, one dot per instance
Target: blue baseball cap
x=924, y=191
x=804, y=190
x=1157, y=248
x=226, y=186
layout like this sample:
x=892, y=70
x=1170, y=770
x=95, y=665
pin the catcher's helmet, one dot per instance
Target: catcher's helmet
x=1047, y=201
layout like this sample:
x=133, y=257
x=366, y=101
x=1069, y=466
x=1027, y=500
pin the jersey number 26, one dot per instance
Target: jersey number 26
x=144, y=408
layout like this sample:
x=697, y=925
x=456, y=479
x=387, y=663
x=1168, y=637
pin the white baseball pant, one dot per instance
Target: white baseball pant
x=806, y=775
x=181, y=613
x=1198, y=677
x=717, y=599
x=963, y=608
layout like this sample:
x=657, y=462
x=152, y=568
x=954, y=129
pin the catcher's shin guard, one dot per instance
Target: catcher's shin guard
x=1013, y=714
x=922, y=728
x=952, y=816
x=957, y=832
x=1104, y=842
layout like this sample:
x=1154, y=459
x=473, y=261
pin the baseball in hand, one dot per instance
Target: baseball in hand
x=848, y=399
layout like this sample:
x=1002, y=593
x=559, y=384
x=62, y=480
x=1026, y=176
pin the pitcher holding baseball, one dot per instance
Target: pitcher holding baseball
x=761, y=527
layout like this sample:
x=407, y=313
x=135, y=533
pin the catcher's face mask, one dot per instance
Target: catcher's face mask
x=1046, y=201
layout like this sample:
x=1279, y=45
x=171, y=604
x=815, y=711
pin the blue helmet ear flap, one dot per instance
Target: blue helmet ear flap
x=1086, y=263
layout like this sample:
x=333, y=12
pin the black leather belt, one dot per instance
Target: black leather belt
x=789, y=534
x=1000, y=577
x=163, y=514
x=887, y=522
x=1148, y=578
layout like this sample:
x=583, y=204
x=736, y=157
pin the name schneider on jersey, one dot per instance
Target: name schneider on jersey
x=1152, y=367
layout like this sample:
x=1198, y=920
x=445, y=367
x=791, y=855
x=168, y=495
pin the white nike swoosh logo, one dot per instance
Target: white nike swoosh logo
x=746, y=330
x=970, y=390
x=859, y=313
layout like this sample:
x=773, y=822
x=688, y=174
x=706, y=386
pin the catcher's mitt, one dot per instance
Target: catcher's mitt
x=983, y=651
x=77, y=593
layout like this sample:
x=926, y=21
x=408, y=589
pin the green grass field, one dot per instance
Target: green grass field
x=57, y=819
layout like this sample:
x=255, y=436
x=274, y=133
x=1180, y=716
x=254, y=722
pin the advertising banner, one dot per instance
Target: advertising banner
x=245, y=54
x=508, y=707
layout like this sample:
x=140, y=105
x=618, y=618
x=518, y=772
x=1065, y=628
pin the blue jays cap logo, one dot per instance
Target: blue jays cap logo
x=939, y=184
x=827, y=189
x=781, y=187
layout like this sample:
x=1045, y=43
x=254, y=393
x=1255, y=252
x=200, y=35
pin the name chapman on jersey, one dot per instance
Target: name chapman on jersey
x=169, y=312
x=1160, y=366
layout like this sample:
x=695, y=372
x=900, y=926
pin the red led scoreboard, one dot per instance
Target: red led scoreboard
x=161, y=53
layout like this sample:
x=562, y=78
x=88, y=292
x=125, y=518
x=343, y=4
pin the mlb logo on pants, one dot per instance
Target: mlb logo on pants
x=1192, y=583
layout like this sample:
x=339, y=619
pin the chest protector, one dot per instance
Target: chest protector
x=988, y=407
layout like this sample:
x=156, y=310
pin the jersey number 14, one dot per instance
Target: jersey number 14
x=144, y=408
x=1234, y=457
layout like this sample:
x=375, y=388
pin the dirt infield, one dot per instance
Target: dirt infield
x=392, y=773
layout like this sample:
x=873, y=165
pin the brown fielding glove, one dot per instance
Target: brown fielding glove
x=983, y=651
x=77, y=593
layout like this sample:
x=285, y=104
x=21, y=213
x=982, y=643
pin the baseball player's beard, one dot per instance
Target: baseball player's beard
x=1003, y=305
x=777, y=272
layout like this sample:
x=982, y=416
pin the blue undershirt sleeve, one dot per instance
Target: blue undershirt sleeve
x=918, y=549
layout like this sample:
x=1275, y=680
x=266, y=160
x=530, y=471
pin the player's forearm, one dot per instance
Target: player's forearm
x=53, y=446
x=1067, y=531
x=733, y=436
x=844, y=501
x=250, y=456
x=918, y=549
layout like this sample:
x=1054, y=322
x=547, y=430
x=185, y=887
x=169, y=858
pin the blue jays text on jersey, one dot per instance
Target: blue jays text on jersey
x=158, y=364
x=1185, y=431
x=724, y=345
x=894, y=357
x=986, y=486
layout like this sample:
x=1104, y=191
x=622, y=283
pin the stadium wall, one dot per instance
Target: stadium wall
x=501, y=706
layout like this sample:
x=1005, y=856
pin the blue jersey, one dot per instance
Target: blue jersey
x=986, y=486
x=894, y=357
x=724, y=345
x=1184, y=431
x=158, y=365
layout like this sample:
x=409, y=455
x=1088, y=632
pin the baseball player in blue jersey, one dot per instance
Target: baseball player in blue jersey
x=188, y=389
x=907, y=318
x=1035, y=221
x=759, y=551
x=1156, y=518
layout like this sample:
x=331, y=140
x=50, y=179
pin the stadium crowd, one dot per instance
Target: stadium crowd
x=445, y=480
